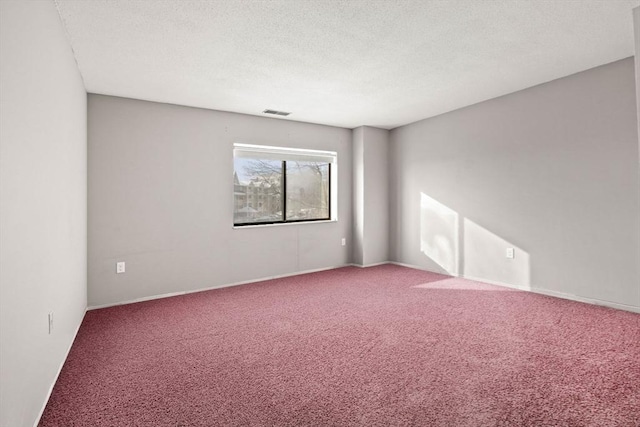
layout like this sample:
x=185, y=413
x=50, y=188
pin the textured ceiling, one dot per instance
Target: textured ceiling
x=346, y=63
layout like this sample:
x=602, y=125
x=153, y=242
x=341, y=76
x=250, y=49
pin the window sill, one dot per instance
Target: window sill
x=240, y=227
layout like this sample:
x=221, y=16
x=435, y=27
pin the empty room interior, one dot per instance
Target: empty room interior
x=320, y=213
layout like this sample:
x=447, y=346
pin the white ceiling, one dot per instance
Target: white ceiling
x=345, y=63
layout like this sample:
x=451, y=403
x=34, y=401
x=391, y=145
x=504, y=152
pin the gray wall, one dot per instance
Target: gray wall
x=161, y=194
x=43, y=196
x=376, y=189
x=370, y=195
x=357, y=144
x=636, y=30
x=551, y=171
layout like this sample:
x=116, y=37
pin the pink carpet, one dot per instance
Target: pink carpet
x=382, y=346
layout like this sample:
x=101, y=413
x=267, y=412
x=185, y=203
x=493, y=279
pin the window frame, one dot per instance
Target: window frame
x=323, y=157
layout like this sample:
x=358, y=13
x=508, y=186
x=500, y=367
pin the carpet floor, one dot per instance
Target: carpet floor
x=381, y=346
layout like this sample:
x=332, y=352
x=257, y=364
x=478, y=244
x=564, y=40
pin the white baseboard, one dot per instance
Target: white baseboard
x=371, y=265
x=55, y=379
x=416, y=267
x=558, y=294
x=578, y=298
x=537, y=290
x=225, y=285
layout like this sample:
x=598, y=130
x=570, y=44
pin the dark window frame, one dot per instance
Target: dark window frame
x=284, y=203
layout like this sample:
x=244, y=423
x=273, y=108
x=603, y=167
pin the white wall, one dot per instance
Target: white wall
x=43, y=198
x=551, y=171
x=161, y=199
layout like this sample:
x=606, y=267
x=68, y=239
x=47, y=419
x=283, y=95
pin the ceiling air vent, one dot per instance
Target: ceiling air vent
x=277, y=113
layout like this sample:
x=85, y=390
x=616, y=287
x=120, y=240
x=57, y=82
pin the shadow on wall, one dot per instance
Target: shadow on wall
x=460, y=247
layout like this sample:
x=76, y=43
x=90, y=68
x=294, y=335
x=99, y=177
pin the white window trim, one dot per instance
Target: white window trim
x=286, y=153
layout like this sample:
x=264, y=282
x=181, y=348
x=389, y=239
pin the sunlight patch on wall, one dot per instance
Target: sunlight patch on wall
x=439, y=234
x=457, y=246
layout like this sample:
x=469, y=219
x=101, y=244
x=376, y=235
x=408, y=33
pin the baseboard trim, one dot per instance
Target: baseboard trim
x=536, y=290
x=225, y=285
x=55, y=379
x=416, y=267
x=371, y=265
x=557, y=294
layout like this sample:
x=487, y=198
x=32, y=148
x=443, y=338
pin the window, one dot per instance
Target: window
x=273, y=185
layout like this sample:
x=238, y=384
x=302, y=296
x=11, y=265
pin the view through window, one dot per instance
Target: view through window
x=281, y=185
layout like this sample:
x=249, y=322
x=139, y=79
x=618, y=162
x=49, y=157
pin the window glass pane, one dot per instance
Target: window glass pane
x=257, y=190
x=307, y=190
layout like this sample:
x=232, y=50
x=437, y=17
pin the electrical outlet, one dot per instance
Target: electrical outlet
x=50, y=323
x=344, y=241
x=120, y=267
x=510, y=253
